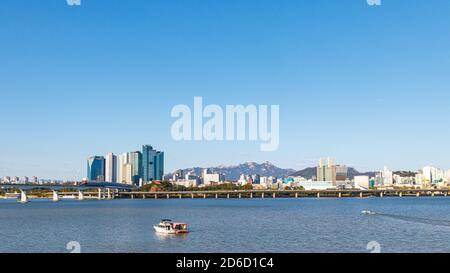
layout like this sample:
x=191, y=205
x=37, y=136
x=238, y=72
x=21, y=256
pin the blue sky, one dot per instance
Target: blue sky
x=366, y=85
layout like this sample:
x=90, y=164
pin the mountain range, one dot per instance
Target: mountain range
x=232, y=173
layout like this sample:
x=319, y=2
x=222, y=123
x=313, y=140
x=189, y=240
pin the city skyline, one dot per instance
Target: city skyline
x=134, y=168
x=364, y=84
x=325, y=169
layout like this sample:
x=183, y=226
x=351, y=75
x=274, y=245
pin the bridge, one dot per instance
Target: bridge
x=104, y=189
x=286, y=193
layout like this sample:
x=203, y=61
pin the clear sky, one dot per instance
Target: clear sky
x=366, y=85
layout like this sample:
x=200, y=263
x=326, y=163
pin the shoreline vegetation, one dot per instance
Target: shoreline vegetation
x=237, y=194
x=228, y=190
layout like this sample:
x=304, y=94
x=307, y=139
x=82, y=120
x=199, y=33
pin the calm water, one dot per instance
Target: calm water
x=280, y=225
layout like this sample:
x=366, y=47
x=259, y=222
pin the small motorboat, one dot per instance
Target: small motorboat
x=367, y=212
x=169, y=227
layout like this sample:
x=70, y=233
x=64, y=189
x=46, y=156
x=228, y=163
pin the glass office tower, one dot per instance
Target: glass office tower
x=159, y=166
x=152, y=164
x=135, y=159
x=96, y=168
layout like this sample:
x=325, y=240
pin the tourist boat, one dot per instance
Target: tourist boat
x=367, y=212
x=169, y=227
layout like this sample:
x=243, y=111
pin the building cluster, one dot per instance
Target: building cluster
x=190, y=179
x=427, y=177
x=141, y=167
x=28, y=180
x=328, y=176
x=133, y=168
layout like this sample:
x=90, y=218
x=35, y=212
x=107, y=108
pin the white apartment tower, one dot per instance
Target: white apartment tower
x=111, y=168
x=125, y=169
x=388, y=177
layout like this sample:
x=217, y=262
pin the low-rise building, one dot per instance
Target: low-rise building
x=362, y=182
x=317, y=185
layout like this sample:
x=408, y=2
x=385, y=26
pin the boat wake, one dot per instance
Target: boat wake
x=427, y=221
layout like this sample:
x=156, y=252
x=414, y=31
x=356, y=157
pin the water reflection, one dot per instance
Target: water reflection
x=172, y=237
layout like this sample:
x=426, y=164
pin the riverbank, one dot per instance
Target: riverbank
x=285, y=194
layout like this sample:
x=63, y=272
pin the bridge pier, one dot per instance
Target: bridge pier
x=99, y=197
x=262, y=196
x=80, y=195
x=251, y=195
x=23, y=197
x=156, y=196
x=55, y=197
x=318, y=195
x=109, y=193
x=228, y=196
x=296, y=195
x=361, y=195
x=274, y=195
x=340, y=195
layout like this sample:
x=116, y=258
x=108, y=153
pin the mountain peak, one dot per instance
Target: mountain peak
x=232, y=173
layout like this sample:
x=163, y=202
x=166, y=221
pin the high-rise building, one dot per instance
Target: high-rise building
x=326, y=171
x=433, y=175
x=148, y=162
x=96, y=168
x=135, y=159
x=341, y=172
x=125, y=169
x=388, y=177
x=159, y=166
x=111, y=168
x=152, y=164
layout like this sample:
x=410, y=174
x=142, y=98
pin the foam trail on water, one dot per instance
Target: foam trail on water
x=445, y=223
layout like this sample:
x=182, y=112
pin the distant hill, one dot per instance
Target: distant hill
x=306, y=173
x=232, y=173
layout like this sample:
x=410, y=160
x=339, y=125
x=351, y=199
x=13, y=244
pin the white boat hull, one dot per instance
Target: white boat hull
x=163, y=230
